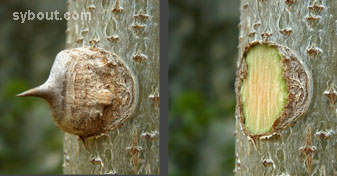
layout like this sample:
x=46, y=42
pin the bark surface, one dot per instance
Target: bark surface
x=308, y=29
x=129, y=29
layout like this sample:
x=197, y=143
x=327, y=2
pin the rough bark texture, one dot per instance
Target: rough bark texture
x=129, y=29
x=308, y=29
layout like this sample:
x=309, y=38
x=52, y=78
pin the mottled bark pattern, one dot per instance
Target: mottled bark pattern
x=130, y=30
x=308, y=29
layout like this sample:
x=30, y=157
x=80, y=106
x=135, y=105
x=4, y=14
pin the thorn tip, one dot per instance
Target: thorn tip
x=30, y=92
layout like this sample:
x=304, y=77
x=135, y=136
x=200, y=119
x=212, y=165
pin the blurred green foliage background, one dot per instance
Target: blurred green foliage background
x=203, y=39
x=30, y=143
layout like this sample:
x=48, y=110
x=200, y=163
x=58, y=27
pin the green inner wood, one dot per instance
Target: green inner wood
x=263, y=91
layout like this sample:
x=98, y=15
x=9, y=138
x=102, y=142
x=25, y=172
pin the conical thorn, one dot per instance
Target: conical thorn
x=40, y=91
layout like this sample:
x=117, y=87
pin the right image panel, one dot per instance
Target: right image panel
x=252, y=88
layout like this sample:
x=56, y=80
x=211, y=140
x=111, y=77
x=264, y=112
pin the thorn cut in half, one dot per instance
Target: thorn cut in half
x=273, y=89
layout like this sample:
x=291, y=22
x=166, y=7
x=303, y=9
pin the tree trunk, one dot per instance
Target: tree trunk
x=129, y=29
x=308, y=30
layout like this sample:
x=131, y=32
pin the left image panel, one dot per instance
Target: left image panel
x=94, y=68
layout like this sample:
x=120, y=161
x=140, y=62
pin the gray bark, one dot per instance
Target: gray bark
x=129, y=29
x=308, y=29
